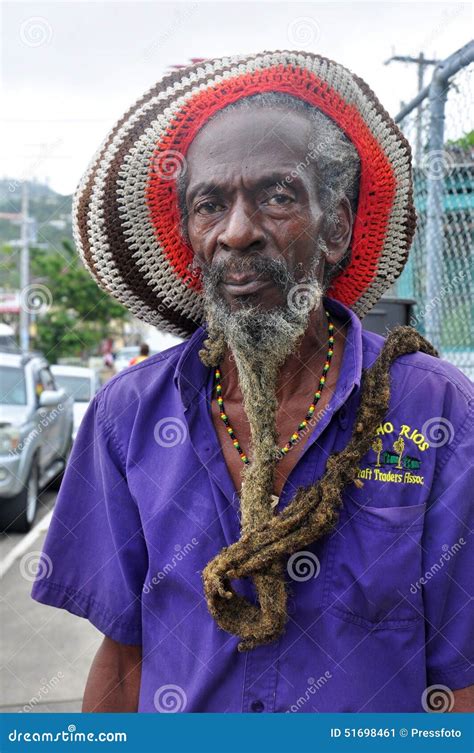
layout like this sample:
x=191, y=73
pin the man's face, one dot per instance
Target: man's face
x=253, y=220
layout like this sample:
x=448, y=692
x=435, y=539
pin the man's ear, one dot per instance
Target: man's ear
x=337, y=232
x=195, y=266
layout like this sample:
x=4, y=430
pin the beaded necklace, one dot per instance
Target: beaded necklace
x=294, y=437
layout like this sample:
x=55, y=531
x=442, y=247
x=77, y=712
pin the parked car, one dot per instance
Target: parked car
x=7, y=339
x=36, y=421
x=81, y=384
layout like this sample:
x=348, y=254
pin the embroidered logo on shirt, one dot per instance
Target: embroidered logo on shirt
x=392, y=458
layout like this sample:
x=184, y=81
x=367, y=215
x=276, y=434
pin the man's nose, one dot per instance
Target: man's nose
x=241, y=231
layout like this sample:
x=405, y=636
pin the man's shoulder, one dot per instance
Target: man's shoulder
x=420, y=370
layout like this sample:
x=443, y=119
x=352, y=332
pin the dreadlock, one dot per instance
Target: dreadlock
x=267, y=537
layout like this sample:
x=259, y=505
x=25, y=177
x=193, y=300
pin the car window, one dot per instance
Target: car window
x=13, y=388
x=77, y=387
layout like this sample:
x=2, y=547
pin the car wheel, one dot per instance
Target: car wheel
x=17, y=514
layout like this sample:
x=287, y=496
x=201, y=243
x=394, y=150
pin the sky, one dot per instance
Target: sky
x=71, y=69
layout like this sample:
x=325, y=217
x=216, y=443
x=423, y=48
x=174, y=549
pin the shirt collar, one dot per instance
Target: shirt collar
x=191, y=374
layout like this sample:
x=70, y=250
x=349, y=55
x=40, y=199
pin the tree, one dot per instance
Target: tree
x=79, y=314
x=399, y=446
x=377, y=447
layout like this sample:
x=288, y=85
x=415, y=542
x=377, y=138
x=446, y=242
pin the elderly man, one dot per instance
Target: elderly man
x=272, y=515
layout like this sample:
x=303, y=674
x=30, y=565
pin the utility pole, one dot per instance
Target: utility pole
x=422, y=63
x=24, y=270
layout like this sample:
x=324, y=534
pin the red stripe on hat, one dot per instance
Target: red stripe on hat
x=377, y=182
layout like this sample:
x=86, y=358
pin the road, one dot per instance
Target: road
x=45, y=652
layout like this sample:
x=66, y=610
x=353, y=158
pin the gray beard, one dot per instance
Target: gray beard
x=254, y=334
x=260, y=339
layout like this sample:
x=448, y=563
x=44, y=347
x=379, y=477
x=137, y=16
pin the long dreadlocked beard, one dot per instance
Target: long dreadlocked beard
x=260, y=341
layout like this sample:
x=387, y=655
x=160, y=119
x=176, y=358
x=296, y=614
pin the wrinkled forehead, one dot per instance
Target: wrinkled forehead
x=247, y=141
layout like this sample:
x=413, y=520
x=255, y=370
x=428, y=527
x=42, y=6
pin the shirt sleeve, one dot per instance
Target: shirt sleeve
x=448, y=562
x=94, y=559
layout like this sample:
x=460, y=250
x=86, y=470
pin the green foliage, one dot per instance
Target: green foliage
x=465, y=142
x=9, y=277
x=80, y=314
x=51, y=211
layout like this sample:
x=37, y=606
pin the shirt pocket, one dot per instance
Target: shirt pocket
x=375, y=560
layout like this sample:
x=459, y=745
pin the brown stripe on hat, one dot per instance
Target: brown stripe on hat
x=83, y=204
x=127, y=270
x=126, y=266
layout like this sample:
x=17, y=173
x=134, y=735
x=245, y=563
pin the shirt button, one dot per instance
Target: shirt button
x=257, y=706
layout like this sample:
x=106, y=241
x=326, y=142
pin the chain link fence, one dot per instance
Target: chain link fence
x=439, y=274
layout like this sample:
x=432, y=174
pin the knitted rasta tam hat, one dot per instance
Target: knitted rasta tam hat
x=126, y=217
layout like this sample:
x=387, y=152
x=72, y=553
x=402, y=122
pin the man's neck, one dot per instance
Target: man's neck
x=300, y=372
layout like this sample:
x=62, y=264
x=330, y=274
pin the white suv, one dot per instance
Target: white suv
x=36, y=422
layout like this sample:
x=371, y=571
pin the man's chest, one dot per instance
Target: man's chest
x=288, y=418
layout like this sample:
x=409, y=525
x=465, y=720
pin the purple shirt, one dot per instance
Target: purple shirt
x=380, y=612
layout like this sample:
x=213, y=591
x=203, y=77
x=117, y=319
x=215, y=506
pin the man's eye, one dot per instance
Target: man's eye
x=208, y=207
x=280, y=199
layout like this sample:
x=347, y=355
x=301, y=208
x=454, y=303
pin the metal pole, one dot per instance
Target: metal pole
x=419, y=112
x=24, y=270
x=407, y=109
x=438, y=92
